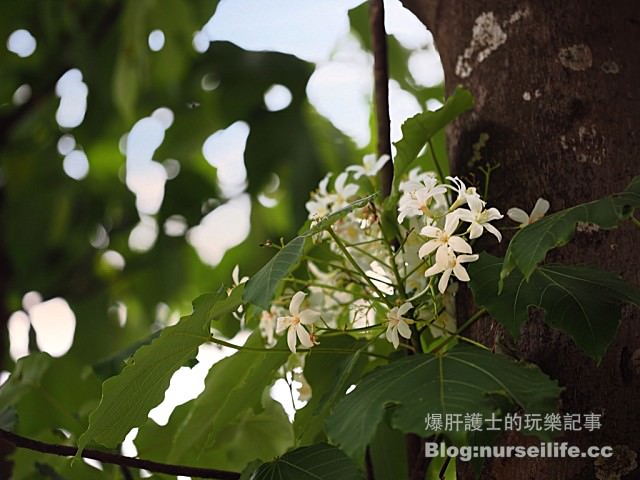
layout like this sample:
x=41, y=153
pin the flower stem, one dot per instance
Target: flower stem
x=353, y=262
x=470, y=321
x=331, y=351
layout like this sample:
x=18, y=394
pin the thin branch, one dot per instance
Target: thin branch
x=112, y=458
x=381, y=90
x=355, y=265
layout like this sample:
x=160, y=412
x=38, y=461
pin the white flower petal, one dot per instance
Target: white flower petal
x=291, y=339
x=434, y=270
x=307, y=317
x=381, y=162
x=493, y=231
x=404, y=308
x=431, y=232
x=451, y=223
x=475, y=230
x=443, y=256
x=404, y=330
x=518, y=215
x=493, y=214
x=444, y=280
x=282, y=323
x=475, y=203
x=464, y=214
x=467, y=258
x=460, y=273
x=303, y=335
x=296, y=301
x=392, y=336
x=458, y=244
x=541, y=207
x=428, y=248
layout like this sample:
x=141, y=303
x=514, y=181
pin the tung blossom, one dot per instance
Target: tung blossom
x=398, y=325
x=418, y=196
x=268, y=324
x=448, y=263
x=465, y=195
x=294, y=323
x=344, y=191
x=479, y=219
x=321, y=200
x=370, y=166
x=517, y=215
x=443, y=239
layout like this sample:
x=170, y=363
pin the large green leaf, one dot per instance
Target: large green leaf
x=233, y=386
x=329, y=375
x=113, y=365
x=261, y=288
x=463, y=380
x=25, y=377
x=530, y=245
x=584, y=302
x=417, y=131
x=318, y=462
x=388, y=452
x=264, y=435
x=128, y=397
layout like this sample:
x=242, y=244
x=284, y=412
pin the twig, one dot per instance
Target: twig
x=443, y=470
x=112, y=458
x=381, y=90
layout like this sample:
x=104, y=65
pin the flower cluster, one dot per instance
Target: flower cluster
x=372, y=281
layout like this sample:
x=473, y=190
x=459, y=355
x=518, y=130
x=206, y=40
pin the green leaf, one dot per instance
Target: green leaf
x=584, y=302
x=460, y=381
x=389, y=454
x=417, y=131
x=318, y=462
x=233, y=385
x=261, y=288
x=630, y=197
x=26, y=377
x=530, y=245
x=333, y=217
x=329, y=375
x=114, y=364
x=128, y=397
x=263, y=436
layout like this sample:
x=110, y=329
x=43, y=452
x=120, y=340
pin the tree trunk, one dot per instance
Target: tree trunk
x=557, y=92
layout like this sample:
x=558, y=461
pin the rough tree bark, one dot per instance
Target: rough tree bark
x=558, y=93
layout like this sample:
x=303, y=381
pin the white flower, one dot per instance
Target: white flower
x=479, y=219
x=447, y=263
x=294, y=323
x=443, y=240
x=343, y=191
x=520, y=216
x=370, y=166
x=321, y=200
x=268, y=324
x=235, y=276
x=399, y=324
x=416, y=176
x=465, y=195
x=318, y=208
x=380, y=278
x=417, y=197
